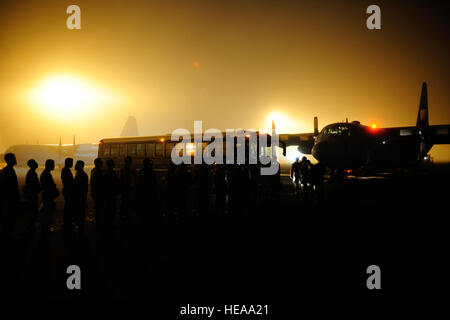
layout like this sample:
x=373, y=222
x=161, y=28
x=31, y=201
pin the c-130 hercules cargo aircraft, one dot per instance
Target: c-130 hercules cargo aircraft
x=351, y=145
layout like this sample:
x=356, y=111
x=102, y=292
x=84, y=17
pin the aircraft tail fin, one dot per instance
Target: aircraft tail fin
x=422, y=115
x=130, y=128
x=316, y=126
x=425, y=143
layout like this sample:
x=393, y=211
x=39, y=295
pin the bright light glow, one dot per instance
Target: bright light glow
x=190, y=149
x=281, y=121
x=284, y=123
x=373, y=125
x=292, y=153
x=68, y=97
x=189, y=146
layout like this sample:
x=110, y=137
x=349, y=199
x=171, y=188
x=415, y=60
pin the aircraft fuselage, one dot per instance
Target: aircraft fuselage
x=352, y=145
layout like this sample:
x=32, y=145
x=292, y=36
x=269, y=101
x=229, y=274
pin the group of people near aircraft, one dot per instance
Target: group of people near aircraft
x=308, y=179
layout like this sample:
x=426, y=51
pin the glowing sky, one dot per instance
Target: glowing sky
x=228, y=63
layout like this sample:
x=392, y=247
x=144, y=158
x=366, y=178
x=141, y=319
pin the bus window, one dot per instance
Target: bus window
x=106, y=150
x=114, y=151
x=159, y=150
x=141, y=150
x=169, y=147
x=132, y=150
x=150, y=150
x=123, y=150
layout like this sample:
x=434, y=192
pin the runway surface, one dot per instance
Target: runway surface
x=280, y=250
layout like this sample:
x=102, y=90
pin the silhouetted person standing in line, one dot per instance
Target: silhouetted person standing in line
x=97, y=191
x=182, y=188
x=127, y=183
x=147, y=196
x=304, y=177
x=168, y=192
x=295, y=174
x=276, y=183
x=1, y=202
x=201, y=188
x=80, y=191
x=49, y=193
x=220, y=189
x=10, y=192
x=204, y=189
x=254, y=177
x=111, y=184
x=196, y=185
x=317, y=180
x=235, y=195
x=67, y=181
x=31, y=191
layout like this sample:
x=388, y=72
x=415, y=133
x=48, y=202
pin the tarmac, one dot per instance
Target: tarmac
x=286, y=249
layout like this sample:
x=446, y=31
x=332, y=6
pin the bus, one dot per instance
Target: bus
x=159, y=149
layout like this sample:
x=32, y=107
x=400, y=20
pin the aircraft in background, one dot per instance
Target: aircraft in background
x=59, y=152
x=351, y=145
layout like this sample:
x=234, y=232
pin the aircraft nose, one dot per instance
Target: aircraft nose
x=317, y=151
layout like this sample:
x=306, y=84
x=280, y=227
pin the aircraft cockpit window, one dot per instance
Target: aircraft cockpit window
x=338, y=131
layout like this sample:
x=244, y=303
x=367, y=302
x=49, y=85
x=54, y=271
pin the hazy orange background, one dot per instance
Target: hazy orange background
x=302, y=58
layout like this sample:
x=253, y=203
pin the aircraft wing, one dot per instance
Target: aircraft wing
x=297, y=138
x=304, y=141
x=439, y=134
x=434, y=134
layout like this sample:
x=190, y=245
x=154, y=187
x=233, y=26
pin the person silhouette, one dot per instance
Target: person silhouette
x=254, y=178
x=295, y=174
x=276, y=183
x=220, y=188
x=317, y=175
x=147, y=193
x=235, y=190
x=67, y=181
x=127, y=183
x=80, y=191
x=182, y=187
x=10, y=192
x=304, y=177
x=169, y=197
x=204, y=189
x=97, y=191
x=31, y=191
x=111, y=184
x=245, y=189
x=49, y=193
x=200, y=179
